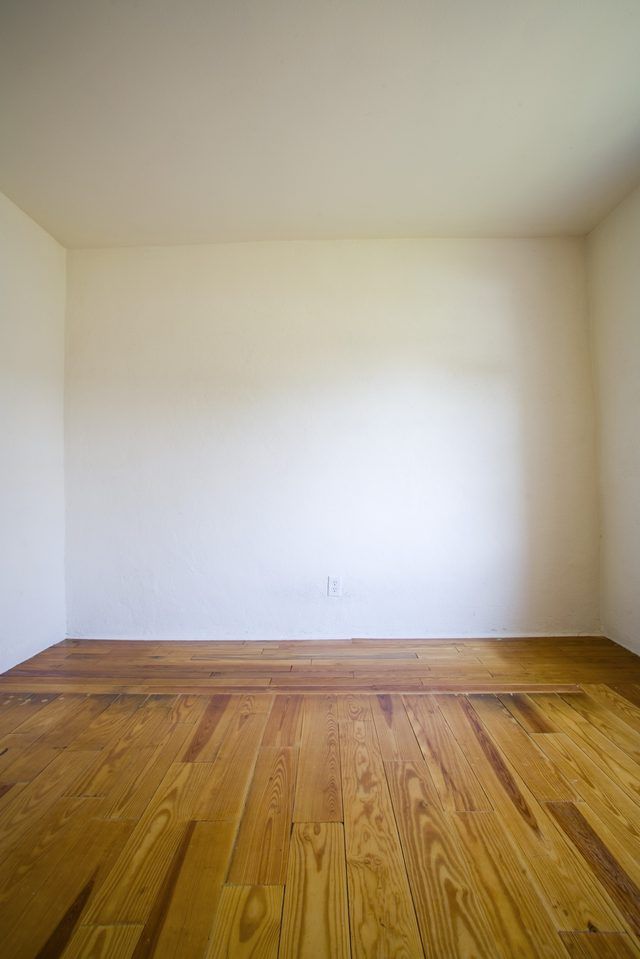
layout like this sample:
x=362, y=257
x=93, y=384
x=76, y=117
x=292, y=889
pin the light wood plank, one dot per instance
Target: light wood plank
x=260, y=855
x=609, y=802
x=223, y=793
x=452, y=918
x=620, y=886
x=315, y=921
x=131, y=887
x=395, y=733
x=180, y=919
x=318, y=796
x=521, y=926
x=103, y=942
x=211, y=729
x=570, y=893
x=530, y=763
x=455, y=780
x=247, y=923
x=602, y=750
x=284, y=727
x=46, y=922
x=381, y=912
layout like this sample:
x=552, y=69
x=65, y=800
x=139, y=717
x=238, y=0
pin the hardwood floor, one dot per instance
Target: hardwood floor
x=365, y=798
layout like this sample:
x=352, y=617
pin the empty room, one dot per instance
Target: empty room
x=320, y=479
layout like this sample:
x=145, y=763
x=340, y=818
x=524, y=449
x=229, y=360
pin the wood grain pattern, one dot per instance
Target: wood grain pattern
x=530, y=763
x=315, y=920
x=183, y=922
x=382, y=916
x=395, y=733
x=476, y=799
x=532, y=719
x=191, y=668
x=132, y=885
x=318, y=795
x=46, y=922
x=588, y=945
x=451, y=916
x=208, y=736
x=594, y=713
x=222, y=796
x=520, y=924
x=569, y=892
x=595, y=788
x=19, y=808
x=262, y=846
x=16, y=708
x=284, y=727
x=103, y=942
x=622, y=889
x=603, y=751
x=618, y=704
x=247, y=923
x=454, y=778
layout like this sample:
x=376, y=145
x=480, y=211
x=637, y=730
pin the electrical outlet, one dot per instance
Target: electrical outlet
x=334, y=586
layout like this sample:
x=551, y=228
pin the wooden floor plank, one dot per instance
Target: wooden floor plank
x=315, y=920
x=455, y=780
x=247, y=923
x=588, y=945
x=130, y=795
x=211, y=729
x=530, y=763
x=53, y=717
x=318, y=795
x=620, y=886
x=569, y=892
x=395, y=733
x=597, y=715
x=630, y=691
x=451, y=916
x=521, y=925
x=532, y=719
x=47, y=922
x=23, y=866
x=605, y=797
x=18, y=811
x=187, y=922
x=381, y=911
x=624, y=770
x=262, y=846
x=620, y=706
x=16, y=708
x=108, y=723
x=284, y=727
x=132, y=885
x=179, y=922
x=21, y=762
x=223, y=795
x=102, y=942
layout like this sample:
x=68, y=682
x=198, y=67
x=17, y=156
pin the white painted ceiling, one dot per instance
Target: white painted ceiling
x=180, y=121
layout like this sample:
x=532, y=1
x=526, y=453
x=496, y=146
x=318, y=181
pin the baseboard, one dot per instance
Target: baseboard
x=440, y=637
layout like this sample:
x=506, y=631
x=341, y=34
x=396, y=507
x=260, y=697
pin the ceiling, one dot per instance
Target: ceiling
x=186, y=121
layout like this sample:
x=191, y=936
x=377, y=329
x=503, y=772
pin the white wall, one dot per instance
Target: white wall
x=32, y=305
x=614, y=277
x=413, y=416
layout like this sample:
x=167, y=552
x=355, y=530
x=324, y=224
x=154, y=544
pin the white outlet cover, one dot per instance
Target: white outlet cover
x=334, y=586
